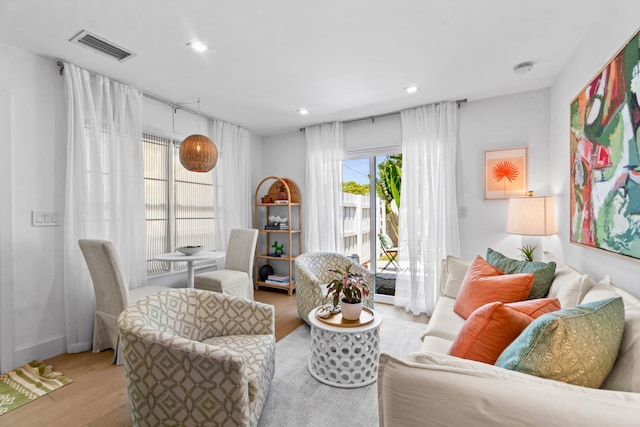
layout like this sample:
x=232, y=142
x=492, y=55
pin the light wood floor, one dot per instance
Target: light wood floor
x=98, y=395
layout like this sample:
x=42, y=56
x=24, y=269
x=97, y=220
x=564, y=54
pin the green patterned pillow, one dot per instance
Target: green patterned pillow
x=543, y=272
x=386, y=241
x=575, y=345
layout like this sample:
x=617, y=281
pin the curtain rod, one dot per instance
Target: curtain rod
x=393, y=113
x=177, y=106
x=151, y=96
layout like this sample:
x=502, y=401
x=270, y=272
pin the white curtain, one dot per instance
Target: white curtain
x=104, y=193
x=232, y=179
x=322, y=207
x=428, y=220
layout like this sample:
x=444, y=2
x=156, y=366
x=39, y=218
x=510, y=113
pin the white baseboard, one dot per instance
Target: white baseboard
x=40, y=351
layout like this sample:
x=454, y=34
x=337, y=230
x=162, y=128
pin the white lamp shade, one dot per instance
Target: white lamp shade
x=531, y=216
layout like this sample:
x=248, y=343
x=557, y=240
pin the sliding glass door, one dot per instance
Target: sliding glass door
x=371, y=197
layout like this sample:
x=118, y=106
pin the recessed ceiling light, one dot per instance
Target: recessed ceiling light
x=523, y=67
x=303, y=111
x=197, y=45
x=411, y=89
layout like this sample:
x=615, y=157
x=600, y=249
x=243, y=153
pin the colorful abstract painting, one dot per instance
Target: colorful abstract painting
x=605, y=165
x=505, y=173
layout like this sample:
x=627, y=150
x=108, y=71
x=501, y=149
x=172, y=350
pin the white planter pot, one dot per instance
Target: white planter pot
x=351, y=311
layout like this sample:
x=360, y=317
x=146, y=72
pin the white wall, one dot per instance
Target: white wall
x=284, y=156
x=32, y=256
x=617, y=23
x=501, y=122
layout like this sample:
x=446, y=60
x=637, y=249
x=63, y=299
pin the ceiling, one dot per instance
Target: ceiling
x=341, y=59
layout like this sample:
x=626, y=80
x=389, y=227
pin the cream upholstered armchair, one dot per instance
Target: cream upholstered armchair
x=111, y=291
x=194, y=357
x=313, y=275
x=237, y=276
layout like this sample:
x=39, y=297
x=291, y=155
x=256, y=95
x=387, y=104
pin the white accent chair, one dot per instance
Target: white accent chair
x=197, y=358
x=313, y=276
x=112, y=293
x=237, y=276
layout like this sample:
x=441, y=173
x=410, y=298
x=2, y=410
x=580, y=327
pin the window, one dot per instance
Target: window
x=179, y=204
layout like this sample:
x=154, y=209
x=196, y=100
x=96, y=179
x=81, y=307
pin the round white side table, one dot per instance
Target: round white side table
x=344, y=356
x=189, y=259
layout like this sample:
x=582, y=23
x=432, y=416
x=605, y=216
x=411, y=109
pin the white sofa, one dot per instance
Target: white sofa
x=432, y=388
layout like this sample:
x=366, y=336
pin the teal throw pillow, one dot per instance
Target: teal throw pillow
x=577, y=345
x=543, y=272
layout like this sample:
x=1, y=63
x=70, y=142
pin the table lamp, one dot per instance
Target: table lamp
x=531, y=216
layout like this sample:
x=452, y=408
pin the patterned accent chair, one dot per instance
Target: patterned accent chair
x=195, y=357
x=313, y=275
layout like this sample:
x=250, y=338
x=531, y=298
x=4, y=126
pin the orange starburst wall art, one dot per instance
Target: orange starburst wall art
x=505, y=173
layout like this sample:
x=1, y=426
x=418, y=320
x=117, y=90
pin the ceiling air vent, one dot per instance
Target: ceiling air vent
x=101, y=45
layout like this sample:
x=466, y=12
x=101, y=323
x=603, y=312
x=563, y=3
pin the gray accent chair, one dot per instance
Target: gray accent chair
x=313, y=275
x=237, y=276
x=112, y=293
x=195, y=358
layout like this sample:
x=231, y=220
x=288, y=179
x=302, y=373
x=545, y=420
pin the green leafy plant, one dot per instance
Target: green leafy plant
x=388, y=187
x=527, y=252
x=350, y=285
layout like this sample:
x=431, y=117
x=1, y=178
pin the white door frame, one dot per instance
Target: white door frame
x=7, y=347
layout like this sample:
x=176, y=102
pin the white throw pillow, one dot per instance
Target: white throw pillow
x=453, y=272
x=625, y=374
x=569, y=285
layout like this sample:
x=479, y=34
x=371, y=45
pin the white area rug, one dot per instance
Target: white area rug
x=298, y=399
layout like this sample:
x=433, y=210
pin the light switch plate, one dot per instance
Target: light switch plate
x=45, y=218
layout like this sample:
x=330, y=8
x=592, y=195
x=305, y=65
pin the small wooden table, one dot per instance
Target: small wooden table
x=189, y=259
x=345, y=356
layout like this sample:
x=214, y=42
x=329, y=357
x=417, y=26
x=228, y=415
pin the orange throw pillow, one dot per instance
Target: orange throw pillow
x=488, y=331
x=484, y=283
x=536, y=307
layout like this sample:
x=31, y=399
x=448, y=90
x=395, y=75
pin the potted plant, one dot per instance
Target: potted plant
x=282, y=194
x=527, y=252
x=349, y=290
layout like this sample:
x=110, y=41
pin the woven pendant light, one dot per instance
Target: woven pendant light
x=198, y=153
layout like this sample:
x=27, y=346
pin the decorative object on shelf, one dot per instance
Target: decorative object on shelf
x=277, y=223
x=349, y=289
x=267, y=199
x=279, y=249
x=190, y=250
x=505, y=173
x=265, y=271
x=282, y=193
x=605, y=172
x=198, y=153
x=531, y=216
x=274, y=189
x=277, y=279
